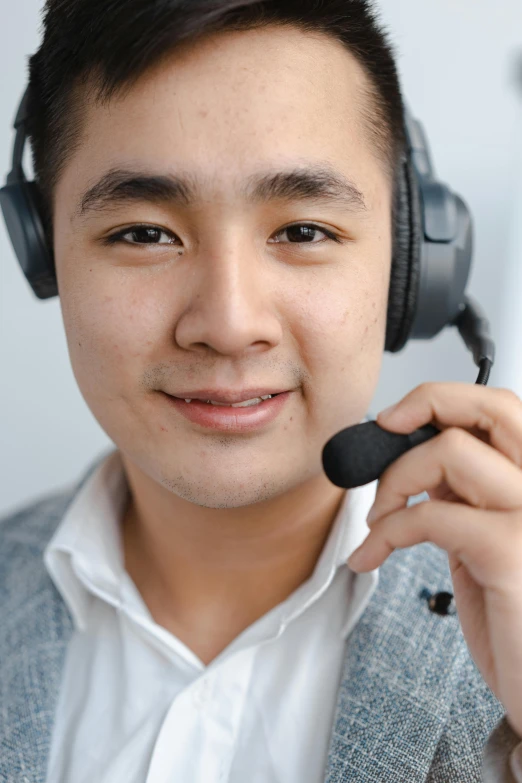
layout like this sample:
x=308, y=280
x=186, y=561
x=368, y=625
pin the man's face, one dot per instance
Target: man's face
x=226, y=291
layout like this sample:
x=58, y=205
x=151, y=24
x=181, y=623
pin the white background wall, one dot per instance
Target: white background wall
x=457, y=60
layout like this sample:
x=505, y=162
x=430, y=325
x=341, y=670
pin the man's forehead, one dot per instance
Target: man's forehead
x=136, y=144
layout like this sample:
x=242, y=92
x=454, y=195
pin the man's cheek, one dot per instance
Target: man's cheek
x=100, y=346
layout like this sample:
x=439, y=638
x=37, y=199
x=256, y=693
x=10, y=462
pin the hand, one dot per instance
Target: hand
x=472, y=472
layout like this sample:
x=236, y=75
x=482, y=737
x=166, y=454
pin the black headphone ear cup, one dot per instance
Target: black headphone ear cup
x=20, y=204
x=405, y=269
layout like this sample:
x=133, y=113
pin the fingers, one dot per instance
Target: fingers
x=488, y=543
x=477, y=474
x=497, y=412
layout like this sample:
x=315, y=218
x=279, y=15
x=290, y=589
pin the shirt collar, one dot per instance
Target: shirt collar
x=348, y=531
x=85, y=554
x=87, y=542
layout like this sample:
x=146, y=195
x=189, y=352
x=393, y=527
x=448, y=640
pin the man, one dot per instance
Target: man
x=218, y=182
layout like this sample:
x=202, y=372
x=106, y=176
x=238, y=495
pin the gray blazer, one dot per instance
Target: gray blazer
x=411, y=707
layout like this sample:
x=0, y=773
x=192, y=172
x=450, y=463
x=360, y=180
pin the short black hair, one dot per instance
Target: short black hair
x=106, y=45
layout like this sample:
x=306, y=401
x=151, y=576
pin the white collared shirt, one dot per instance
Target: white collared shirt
x=136, y=705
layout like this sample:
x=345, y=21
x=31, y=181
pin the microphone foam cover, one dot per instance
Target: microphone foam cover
x=359, y=454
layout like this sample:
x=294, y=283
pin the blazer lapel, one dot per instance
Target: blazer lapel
x=35, y=632
x=31, y=671
x=401, y=667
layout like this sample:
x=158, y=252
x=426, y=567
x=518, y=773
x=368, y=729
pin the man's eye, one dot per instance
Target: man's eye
x=142, y=235
x=305, y=233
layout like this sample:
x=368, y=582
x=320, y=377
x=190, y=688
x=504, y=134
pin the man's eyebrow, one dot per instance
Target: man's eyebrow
x=312, y=183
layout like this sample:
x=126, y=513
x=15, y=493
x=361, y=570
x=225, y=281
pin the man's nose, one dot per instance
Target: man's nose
x=231, y=305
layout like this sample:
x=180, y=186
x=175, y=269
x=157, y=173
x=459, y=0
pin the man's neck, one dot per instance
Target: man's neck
x=207, y=574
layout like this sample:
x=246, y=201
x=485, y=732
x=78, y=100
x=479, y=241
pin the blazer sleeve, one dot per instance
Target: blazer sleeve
x=474, y=717
x=502, y=758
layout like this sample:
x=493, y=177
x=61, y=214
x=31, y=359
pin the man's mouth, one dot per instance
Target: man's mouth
x=242, y=413
x=244, y=404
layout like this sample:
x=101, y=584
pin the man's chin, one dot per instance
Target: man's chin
x=218, y=492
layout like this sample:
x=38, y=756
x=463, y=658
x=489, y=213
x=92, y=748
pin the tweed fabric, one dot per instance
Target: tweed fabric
x=412, y=706
x=473, y=716
x=35, y=629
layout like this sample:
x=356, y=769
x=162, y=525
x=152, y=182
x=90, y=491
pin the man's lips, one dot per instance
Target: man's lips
x=228, y=395
x=227, y=419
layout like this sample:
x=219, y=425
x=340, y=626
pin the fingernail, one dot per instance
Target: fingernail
x=355, y=559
